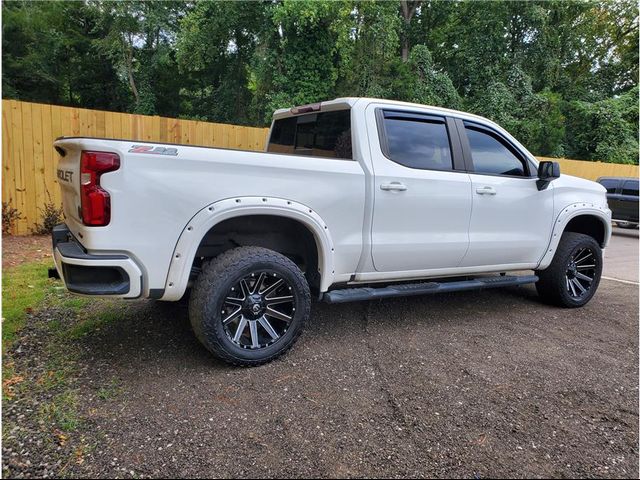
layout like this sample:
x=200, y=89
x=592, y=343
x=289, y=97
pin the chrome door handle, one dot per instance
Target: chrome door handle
x=486, y=191
x=395, y=186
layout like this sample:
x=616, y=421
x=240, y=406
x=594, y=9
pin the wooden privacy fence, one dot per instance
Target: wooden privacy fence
x=29, y=160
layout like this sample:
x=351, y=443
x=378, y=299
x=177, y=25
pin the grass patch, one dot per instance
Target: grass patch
x=27, y=288
x=95, y=322
x=12, y=383
x=110, y=391
x=62, y=411
x=23, y=289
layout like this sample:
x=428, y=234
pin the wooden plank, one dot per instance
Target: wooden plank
x=39, y=176
x=65, y=127
x=209, y=136
x=108, y=125
x=86, y=122
x=117, y=124
x=193, y=128
x=60, y=118
x=163, y=134
x=175, y=130
x=127, y=127
x=185, y=126
x=7, y=161
x=221, y=136
x=28, y=166
x=99, y=123
x=143, y=128
x=17, y=154
x=199, y=134
x=242, y=138
x=50, y=156
x=135, y=127
x=76, y=128
x=153, y=134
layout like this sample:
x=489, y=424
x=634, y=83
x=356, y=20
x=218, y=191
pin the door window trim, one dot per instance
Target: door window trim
x=457, y=158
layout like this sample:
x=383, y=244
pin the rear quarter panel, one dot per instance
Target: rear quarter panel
x=153, y=197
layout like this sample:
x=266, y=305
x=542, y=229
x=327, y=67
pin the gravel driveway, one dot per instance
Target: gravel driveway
x=473, y=384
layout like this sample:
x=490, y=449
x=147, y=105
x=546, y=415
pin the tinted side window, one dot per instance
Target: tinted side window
x=325, y=134
x=491, y=155
x=415, y=143
x=610, y=184
x=630, y=187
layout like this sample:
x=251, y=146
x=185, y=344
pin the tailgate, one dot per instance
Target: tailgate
x=69, y=178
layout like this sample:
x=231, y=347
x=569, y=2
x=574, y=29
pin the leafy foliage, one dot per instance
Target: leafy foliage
x=10, y=216
x=562, y=76
x=50, y=216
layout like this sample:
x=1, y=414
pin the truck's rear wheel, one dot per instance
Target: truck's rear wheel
x=249, y=305
x=574, y=274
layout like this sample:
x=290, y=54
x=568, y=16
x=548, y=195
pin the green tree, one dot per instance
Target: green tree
x=303, y=53
x=49, y=55
x=216, y=44
x=368, y=46
x=422, y=83
x=139, y=40
x=561, y=75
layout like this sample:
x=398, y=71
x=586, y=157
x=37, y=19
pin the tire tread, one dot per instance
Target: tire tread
x=205, y=287
x=550, y=285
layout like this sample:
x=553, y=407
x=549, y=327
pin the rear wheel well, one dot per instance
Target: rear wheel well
x=281, y=234
x=588, y=225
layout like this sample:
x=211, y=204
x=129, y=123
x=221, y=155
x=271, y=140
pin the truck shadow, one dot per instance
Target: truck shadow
x=159, y=333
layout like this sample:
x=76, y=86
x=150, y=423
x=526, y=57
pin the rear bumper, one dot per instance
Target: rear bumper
x=112, y=275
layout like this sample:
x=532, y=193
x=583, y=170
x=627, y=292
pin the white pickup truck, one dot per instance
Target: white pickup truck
x=353, y=199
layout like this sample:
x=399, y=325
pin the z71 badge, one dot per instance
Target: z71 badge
x=154, y=150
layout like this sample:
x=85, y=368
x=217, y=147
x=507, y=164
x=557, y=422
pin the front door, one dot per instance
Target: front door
x=512, y=220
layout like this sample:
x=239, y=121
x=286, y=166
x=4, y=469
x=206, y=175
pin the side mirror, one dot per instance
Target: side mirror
x=547, y=172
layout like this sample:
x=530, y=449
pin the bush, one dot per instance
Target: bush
x=10, y=216
x=605, y=130
x=51, y=216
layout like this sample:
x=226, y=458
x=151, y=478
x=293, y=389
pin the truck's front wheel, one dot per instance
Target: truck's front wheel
x=249, y=305
x=574, y=274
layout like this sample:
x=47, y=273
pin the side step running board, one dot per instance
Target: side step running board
x=410, y=289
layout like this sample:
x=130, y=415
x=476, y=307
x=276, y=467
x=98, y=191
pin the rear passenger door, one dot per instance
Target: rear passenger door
x=422, y=205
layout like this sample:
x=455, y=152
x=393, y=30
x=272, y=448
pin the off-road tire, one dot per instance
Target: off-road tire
x=212, y=286
x=552, y=286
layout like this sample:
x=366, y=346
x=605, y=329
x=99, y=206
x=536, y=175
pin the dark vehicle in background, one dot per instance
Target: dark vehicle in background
x=622, y=197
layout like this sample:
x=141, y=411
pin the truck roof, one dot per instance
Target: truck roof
x=349, y=102
x=363, y=102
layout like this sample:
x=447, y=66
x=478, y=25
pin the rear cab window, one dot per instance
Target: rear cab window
x=322, y=134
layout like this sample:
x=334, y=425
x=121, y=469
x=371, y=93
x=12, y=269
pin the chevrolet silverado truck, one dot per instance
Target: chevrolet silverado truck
x=352, y=199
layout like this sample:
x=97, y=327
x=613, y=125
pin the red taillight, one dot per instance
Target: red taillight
x=95, y=201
